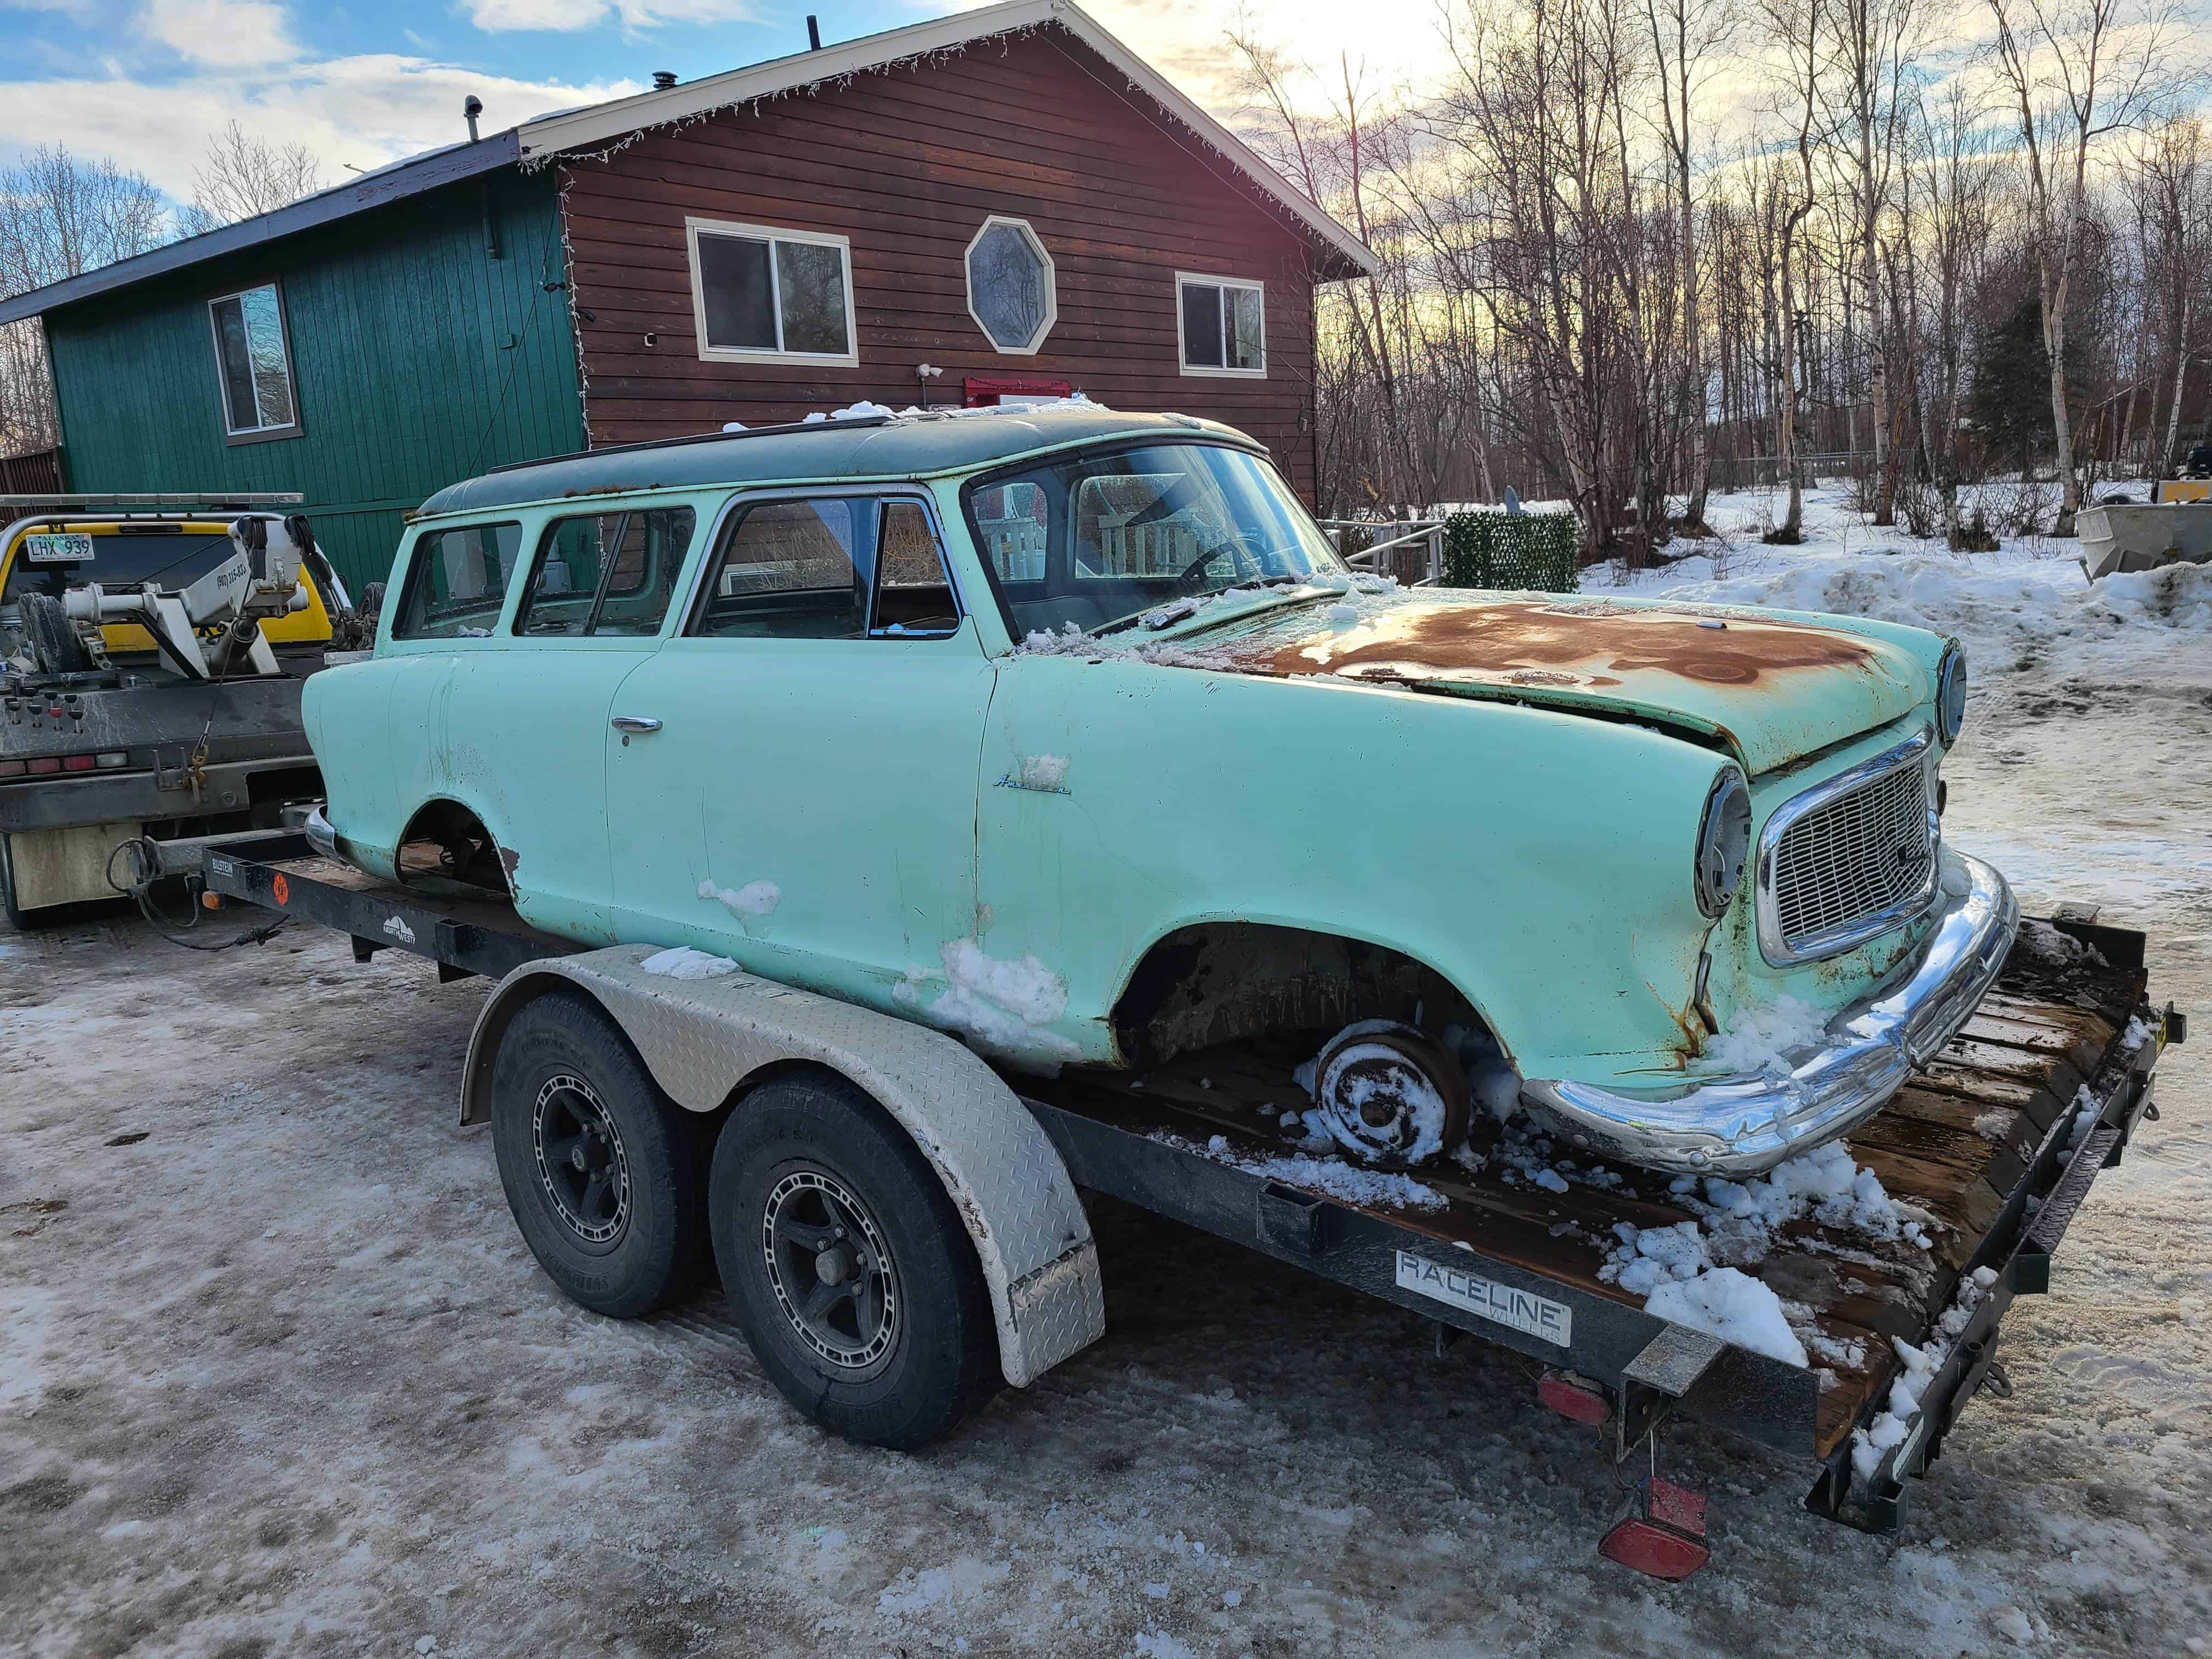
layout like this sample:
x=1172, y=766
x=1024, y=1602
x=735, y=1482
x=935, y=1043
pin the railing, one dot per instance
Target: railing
x=1415, y=556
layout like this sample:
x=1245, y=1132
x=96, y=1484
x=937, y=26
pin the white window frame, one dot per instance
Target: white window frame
x=1184, y=279
x=1051, y=284
x=770, y=235
x=250, y=435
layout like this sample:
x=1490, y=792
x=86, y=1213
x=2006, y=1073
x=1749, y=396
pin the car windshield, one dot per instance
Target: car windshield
x=1098, y=539
x=55, y=562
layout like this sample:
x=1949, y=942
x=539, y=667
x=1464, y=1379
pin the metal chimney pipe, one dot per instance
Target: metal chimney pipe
x=663, y=79
x=471, y=106
x=813, y=33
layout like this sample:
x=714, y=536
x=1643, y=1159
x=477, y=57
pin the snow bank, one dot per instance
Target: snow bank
x=684, y=962
x=1002, y=1007
x=864, y=410
x=1733, y=1306
x=751, y=901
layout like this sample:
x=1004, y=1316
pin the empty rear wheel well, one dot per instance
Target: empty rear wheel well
x=1231, y=981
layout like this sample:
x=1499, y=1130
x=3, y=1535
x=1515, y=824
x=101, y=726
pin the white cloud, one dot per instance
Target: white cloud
x=365, y=111
x=496, y=17
x=225, y=33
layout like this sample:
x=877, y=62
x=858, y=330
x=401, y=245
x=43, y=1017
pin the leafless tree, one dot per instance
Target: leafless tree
x=244, y=177
x=2074, y=72
x=60, y=214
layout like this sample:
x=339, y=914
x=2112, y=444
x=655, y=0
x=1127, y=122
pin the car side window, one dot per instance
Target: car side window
x=828, y=568
x=457, y=582
x=605, y=573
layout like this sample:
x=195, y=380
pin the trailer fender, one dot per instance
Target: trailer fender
x=705, y=1040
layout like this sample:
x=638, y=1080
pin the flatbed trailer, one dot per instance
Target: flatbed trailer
x=1998, y=1139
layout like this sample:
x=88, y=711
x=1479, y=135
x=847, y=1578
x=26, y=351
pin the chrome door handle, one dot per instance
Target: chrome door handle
x=634, y=723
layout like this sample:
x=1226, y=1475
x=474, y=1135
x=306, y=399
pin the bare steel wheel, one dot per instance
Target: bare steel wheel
x=580, y=1159
x=1389, y=1094
x=830, y=1271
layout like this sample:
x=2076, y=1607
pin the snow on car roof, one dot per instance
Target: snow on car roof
x=877, y=444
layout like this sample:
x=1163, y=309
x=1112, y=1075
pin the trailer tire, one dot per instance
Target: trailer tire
x=55, y=647
x=602, y=1170
x=901, y=1359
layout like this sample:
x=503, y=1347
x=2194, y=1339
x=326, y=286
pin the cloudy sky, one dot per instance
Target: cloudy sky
x=368, y=80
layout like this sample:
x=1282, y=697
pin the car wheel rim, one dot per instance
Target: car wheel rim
x=580, y=1161
x=832, y=1277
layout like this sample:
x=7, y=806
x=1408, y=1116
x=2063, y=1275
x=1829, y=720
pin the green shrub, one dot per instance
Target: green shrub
x=1530, y=550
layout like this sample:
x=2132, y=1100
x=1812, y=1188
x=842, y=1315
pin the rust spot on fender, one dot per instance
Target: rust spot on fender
x=1520, y=643
x=508, y=859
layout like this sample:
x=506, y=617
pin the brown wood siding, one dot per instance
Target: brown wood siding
x=908, y=163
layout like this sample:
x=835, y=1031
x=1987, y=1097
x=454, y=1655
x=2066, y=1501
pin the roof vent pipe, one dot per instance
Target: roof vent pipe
x=663, y=79
x=471, y=106
x=813, y=33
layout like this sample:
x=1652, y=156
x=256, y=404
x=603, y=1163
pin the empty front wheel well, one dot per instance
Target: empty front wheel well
x=1232, y=981
x=446, y=846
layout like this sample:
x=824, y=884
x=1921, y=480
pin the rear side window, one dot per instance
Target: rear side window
x=606, y=574
x=828, y=568
x=457, y=582
x=52, y=561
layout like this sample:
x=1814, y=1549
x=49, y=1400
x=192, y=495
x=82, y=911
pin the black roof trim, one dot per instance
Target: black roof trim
x=392, y=184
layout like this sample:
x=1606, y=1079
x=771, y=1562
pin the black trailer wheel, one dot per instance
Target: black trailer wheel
x=847, y=1265
x=601, y=1168
x=56, y=647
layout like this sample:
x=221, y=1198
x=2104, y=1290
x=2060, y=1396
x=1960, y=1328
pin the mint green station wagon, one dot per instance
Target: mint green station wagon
x=1069, y=732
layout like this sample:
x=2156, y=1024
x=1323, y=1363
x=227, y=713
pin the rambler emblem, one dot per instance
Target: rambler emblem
x=1523, y=1310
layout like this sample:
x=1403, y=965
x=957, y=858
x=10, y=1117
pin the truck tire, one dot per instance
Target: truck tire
x=56, y=647
x=847, y=1265
x=602, y=1170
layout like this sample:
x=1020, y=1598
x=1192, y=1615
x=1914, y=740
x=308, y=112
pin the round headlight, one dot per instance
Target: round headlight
x=1723, y=841
x=1951, y=694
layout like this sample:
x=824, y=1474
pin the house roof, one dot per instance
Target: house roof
x=869, y=448
x=389, y=184
x=601, y=125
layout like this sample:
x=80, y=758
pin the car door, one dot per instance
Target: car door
x=792, y=779
x=526, y=722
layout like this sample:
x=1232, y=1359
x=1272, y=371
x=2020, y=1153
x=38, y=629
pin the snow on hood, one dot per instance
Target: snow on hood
x=1772, y=689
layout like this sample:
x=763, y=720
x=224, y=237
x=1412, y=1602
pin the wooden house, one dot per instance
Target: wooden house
x=1004, y=202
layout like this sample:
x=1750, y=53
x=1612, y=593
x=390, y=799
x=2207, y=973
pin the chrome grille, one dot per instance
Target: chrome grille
x=1840, y=871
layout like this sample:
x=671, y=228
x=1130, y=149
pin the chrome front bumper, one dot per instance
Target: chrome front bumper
x=319, y=835
x=1745, y=1125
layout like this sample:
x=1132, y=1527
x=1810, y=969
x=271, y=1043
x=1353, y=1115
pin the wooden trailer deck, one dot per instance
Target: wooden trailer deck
x=1958, y=1143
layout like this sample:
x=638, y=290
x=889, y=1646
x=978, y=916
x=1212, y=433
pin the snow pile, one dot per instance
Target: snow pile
x=865, y=410
x=1762, y=1039
x=751, y=901
x=1921, y=1364
x=1491, y=1077
x=1003, y=1007
x=2048, y=948
x=2011, y=619
x=1734, y=1227
x=1331, y=1177
x=684, y=962
x=1073, y=641
x=1733, y=1306
x=1046, y=772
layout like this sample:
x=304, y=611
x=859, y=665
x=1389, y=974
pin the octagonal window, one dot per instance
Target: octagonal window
x=1010, y=285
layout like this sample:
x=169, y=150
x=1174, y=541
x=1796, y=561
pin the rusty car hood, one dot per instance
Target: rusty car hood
x=1772, y=689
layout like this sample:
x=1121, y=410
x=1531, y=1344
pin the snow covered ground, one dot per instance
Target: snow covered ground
x=278, y=1377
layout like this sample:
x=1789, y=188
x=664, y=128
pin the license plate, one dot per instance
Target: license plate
x=71, y=547
x=1523, y=1310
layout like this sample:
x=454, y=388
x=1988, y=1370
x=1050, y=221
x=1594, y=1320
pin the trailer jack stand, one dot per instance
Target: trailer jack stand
x=1660, y=1532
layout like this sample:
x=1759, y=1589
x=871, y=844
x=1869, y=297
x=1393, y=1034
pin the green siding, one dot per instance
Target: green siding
x=417, y=359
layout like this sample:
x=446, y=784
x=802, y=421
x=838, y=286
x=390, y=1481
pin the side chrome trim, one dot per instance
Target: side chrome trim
x=1834, y=941
x=1745, y=1124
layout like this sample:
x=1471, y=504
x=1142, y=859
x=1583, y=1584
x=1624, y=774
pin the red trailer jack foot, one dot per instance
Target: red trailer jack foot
x=1661, y=1532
